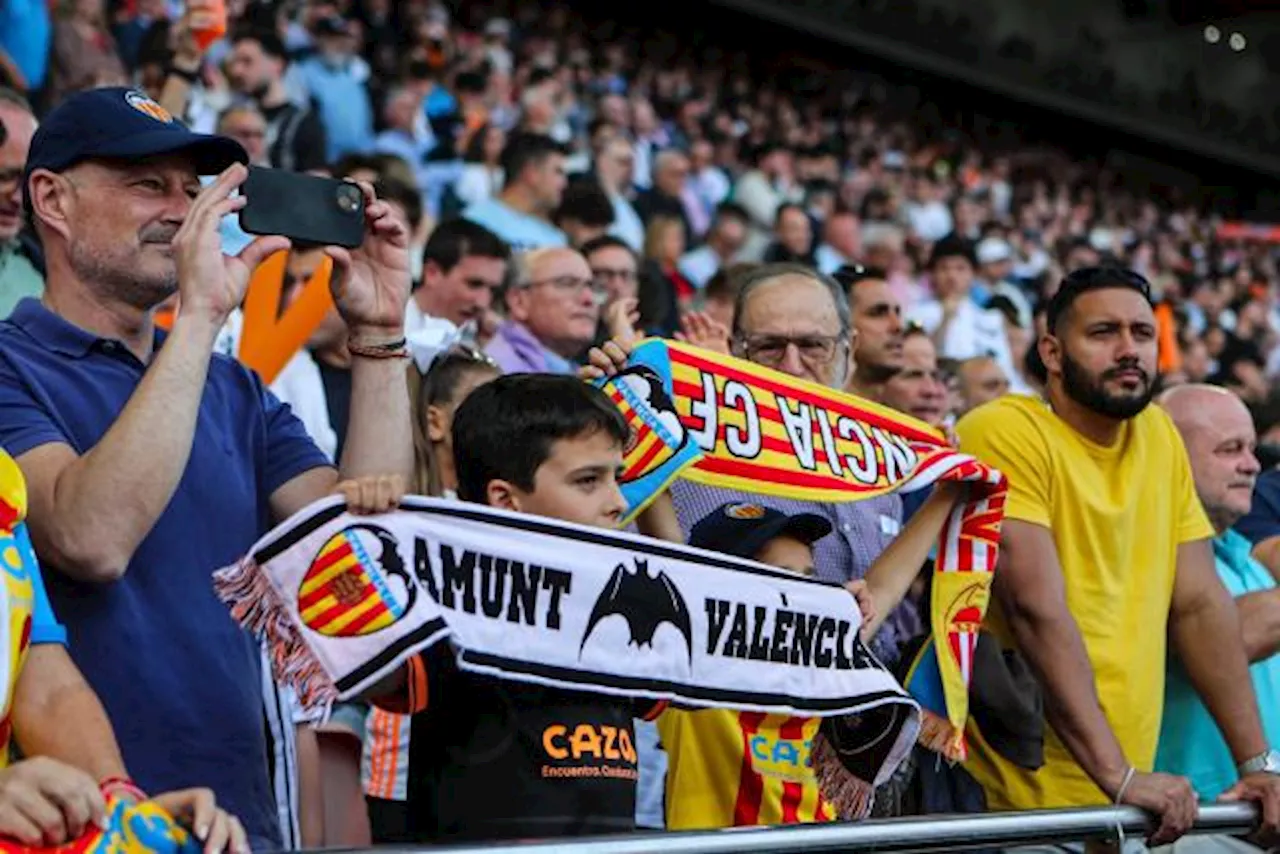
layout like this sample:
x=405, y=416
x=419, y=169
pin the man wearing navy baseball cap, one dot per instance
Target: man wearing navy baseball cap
x=150, y=461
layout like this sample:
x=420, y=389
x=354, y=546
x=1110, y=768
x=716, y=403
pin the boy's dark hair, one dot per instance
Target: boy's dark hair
x=1087, y=279
x=455, y=239
x=585, y=201
x=524, y=150
x=504, y=430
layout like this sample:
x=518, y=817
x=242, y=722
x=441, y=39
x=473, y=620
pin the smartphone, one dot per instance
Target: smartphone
x=303, y=208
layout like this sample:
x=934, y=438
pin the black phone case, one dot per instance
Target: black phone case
x=302, y=208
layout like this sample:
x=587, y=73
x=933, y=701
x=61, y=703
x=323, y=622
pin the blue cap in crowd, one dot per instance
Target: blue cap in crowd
x=743, y=530
x=122, y=123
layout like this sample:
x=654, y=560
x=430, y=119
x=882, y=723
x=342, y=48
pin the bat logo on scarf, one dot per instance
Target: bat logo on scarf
x=357, y=584
x=656, y=431
x=646, y=602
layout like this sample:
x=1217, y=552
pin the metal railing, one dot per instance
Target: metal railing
x=921, y=834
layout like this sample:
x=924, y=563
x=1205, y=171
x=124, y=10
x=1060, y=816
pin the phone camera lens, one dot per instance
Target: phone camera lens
x=349, y=197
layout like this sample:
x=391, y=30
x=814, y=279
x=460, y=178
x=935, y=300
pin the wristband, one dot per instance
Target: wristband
x=1124, y=786
x=121, y=786
x=192, y=77
x=390, y=350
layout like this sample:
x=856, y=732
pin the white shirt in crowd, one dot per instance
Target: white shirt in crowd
x=930, y=221
x=974, y=331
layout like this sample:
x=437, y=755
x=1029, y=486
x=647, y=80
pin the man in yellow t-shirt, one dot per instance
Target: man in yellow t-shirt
x=1105, y=555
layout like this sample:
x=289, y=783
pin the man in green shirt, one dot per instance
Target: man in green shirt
x=19, y=275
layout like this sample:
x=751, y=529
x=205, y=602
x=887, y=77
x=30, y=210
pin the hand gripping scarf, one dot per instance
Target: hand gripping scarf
x=343, y=600
x=131, y=828
x=726, y=422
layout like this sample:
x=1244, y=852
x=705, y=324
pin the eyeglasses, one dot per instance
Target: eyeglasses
x=603, y=275
x=569, y=285
x=771, y=350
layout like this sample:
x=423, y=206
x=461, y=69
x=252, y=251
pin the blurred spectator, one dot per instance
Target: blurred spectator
x=724, y=240
x=666, y=197
x=614, y=267
x=877, y=322
x=533, y=171
x=959, y=326
x=841, y=241
x=21, y=261
x=464, y=266
x=585, y=212
x=246, y=125
x=918, y=388
x=664, y=284
x=552, y=312
x=256, y=69
x=614, y=167
x=765, y=188
x=405, y=135
x=792, y=237
x=84, y=51
x=481, y=176
x=981, y=380
x=336, y=76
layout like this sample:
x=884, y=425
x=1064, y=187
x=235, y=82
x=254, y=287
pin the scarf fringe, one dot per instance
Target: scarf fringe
x=850, y=795
x=256, y=606
x=940, y=736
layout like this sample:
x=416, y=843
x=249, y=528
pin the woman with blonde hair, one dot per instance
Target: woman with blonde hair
x=663, y=288
x=444, y=371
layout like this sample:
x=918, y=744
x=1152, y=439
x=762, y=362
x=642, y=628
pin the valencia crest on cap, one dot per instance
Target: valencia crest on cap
x=148, y=107
x=744, y=511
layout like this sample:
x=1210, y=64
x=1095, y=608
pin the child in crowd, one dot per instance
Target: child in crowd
x=479, y=766
x=730, y=768
x=439, y=380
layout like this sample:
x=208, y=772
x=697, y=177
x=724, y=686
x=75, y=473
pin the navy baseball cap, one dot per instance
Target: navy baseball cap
x=119, y=122
x=743, y=530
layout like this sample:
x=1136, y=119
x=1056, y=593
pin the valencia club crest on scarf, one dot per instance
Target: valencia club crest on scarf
x=356, y=585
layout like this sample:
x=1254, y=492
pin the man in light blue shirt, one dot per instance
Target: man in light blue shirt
x=533, y=165
x=1220, y=440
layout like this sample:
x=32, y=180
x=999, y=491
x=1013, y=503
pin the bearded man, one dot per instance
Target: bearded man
x=1105, y=559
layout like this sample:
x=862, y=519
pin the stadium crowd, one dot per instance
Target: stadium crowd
x=555, y=187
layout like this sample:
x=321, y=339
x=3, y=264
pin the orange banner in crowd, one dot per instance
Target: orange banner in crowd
x=270, y=337
x=1259, y=231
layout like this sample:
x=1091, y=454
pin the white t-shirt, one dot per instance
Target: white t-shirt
x=972, y=332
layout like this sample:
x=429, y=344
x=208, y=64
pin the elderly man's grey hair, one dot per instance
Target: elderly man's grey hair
x=766, y=273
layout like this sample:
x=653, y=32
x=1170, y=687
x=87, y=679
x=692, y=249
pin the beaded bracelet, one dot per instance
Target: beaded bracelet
x=122, y=786
x=390, y=350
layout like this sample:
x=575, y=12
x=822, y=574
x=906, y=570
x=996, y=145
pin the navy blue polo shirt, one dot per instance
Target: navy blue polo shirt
x=1263, y=519
x=179, y=679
